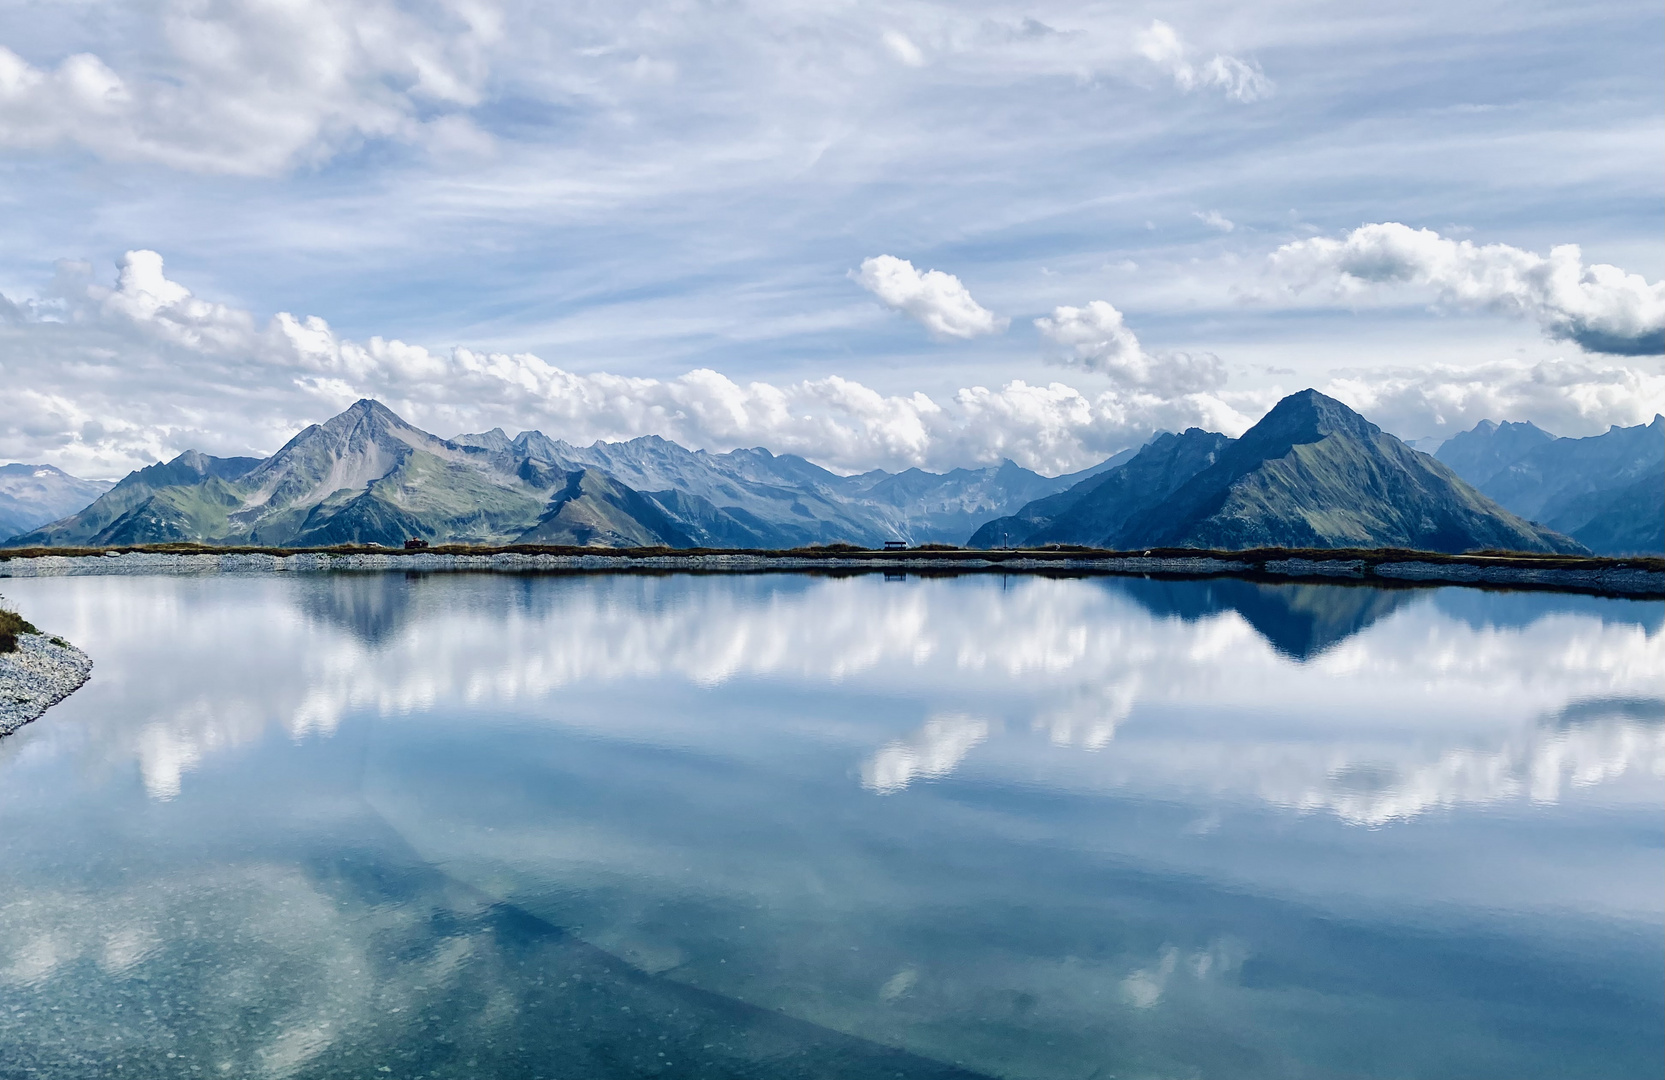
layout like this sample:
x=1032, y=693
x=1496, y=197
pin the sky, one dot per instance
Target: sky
x=877, y=235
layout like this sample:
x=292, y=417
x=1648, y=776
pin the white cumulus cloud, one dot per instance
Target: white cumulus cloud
x=939, y=301
x=114, y=378
x=1566, y=397
x=1237, y=79
x=1600, y=308
x=102, y=379
x=1097, y=338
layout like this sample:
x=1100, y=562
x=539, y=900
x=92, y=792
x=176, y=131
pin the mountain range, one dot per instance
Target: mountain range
x=35, y=495
x=1606, y=491
x=1311, y=473
x=367, y=476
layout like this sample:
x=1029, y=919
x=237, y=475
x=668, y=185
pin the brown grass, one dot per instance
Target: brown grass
x=11, y=625
x=943, y=553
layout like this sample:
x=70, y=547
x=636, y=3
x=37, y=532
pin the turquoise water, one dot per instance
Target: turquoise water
x=795, y=826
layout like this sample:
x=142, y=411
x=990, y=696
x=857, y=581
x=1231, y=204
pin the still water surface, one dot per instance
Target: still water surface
x=791, y=826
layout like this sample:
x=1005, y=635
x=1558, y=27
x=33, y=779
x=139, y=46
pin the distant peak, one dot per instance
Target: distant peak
x=363, y=410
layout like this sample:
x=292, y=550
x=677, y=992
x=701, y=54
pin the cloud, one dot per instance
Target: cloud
x=1214, y=220
x=938, y=300
x=251, y=88
x=1096, y=337
x=114, y=378
x=903, y=48
x=1500, y=710
x=246, y=87
x=1600, y=308
x=1567, y=397
x=1240, y=81
x=102, y=379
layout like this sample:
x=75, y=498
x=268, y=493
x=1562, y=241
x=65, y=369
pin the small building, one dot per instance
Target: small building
x=896, y=545
x=415, y=543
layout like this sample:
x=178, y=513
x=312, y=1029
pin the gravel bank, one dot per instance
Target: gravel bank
x=1611, y=579
x=36, y=677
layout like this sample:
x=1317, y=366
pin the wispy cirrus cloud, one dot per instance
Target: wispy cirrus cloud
x=248, y=88
x=1238, y=79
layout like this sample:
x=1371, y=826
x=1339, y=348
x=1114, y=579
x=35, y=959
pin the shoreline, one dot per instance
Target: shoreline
x=1642, y=577
x=42, y=672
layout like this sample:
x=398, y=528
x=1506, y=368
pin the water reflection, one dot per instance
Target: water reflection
x=372, y=607
x=1462, y=699
x=772, y=825
x=1299, y=621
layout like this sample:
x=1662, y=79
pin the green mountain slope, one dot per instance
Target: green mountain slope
x=159, y=502
x=367, y=476
x=1097, y=507
x=593, y=510
x=1622, y=521
x=1313, y=473
x=364, y=476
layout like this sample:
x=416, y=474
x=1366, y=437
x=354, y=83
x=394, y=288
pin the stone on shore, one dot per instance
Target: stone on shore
x=42, y=672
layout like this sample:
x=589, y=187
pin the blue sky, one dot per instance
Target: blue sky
x=592, y=201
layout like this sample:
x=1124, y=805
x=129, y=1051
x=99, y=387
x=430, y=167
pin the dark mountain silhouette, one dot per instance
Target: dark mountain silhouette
x=1299, y=621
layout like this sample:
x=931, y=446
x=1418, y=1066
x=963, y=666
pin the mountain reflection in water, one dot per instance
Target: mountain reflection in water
x=773, y=825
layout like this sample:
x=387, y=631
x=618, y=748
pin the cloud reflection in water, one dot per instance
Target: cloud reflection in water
x=1393, y=701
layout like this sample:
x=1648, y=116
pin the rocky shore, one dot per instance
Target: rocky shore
x=39, y=674
x=1620, y=577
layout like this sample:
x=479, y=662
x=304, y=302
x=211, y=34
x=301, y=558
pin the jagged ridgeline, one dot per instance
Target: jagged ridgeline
x=1606, y=491
x=367, y=476
x=1312, y=473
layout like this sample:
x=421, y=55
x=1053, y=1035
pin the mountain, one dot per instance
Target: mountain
x=1311, y=473
x=1619, y=521
x=175, y=500
x=1314, y=473
x=32, y=495
x=1487, y=449
x=594, y=510
x=367, y=476
x=753, y=498
x=1099, y=506
x=1607, y=491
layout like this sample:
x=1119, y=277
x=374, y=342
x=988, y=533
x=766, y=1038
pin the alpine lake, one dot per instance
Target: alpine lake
x=764, y=826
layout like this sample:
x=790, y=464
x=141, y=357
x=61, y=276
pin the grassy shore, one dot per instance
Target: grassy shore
x=11, y=625
x=945, y=554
